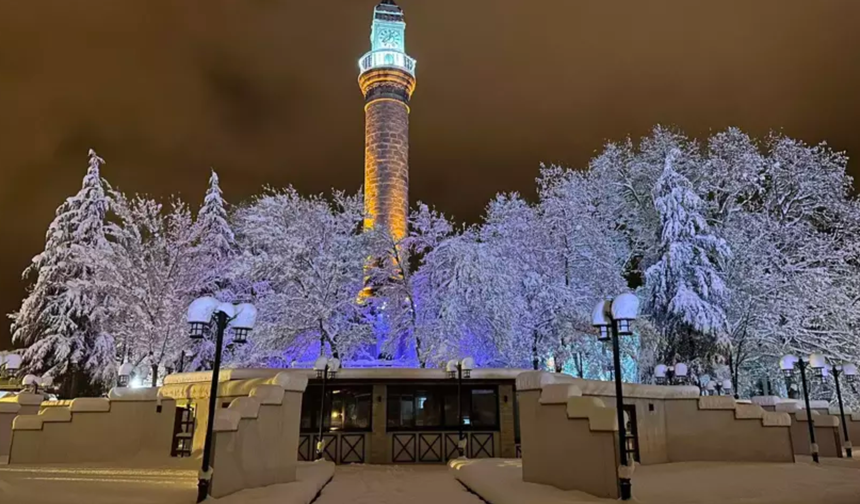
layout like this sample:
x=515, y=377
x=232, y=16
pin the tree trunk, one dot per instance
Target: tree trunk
x=535, y=358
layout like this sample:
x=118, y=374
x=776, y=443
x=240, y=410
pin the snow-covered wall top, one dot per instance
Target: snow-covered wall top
x=343, y=373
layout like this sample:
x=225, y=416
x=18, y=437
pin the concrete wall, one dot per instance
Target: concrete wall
x=827, y=435
x=11, y=407
x=651, y=427
x=695, y=433
x=95, y=430
x=852, y=420
x=568, y=442
x=253, y=438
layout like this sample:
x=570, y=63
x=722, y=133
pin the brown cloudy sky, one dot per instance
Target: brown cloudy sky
x=265, y=91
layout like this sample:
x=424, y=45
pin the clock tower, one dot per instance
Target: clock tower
x=387, y=80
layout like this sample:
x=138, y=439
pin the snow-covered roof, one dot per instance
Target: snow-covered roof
x=343, y=374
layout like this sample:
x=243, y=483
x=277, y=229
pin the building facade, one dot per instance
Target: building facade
x=387, y=80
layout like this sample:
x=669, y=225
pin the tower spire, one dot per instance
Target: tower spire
x=387, y=81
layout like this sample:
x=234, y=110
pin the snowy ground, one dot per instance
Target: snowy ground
x=377, y=484
x=499, y=481
x=169, y=485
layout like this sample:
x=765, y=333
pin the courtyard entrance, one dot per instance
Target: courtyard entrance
x=395, y=484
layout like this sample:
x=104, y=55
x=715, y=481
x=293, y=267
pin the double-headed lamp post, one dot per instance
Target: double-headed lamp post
x=326, y=369
x=32, y=383
x=787, y=364
x=459, y=370
x=241, y=318
x=717, y=388
x=612, y=318
x=671, y=375
x=10, y=364
x=849, y=371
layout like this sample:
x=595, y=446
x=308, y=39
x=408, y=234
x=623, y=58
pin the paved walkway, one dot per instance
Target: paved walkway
x=96, y=485
x=378, y=484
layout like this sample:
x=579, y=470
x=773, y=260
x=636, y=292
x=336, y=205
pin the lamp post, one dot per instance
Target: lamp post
x=850, y=372
x=11, y=364
x=326, y=368
x=671, y=375
x=241, y=318
x=124, y=374
x=460, y=369
x=612, y=318
x=787, y=365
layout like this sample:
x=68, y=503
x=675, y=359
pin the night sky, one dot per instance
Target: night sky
x=265, y=92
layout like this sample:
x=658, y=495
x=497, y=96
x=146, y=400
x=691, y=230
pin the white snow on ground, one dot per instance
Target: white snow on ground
x=78, y=484
x=835, y=481
x=378, y=484
x=311, y=478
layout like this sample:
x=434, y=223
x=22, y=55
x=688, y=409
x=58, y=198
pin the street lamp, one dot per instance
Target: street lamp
x=787, y=365
x=714, y=387
x=326, y=368
x=30, y=383
x=124, y=374
x=612, y=318
x=671, y=375
x=11, y=364
x=850, y=372
x=460, y=369
x=201, y=313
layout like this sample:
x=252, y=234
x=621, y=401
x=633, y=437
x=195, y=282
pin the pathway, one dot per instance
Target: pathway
x=383, y=484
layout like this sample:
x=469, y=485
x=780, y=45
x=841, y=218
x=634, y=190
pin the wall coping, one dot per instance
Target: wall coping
x=89, y=404
x=769, y=400
x=134, y=394
x=292, y=382
x=27, y=422
x=717, y=403
x=776, y=419
x=226, y=420
x=748, y=411
x=600, y=417
x=535, y=380
x=10, y=407
x=787, y=406
x=818, y=419
x=248, y=407
x=558, y=393
x=268, y=394
x=58, y=414
x=28, y=399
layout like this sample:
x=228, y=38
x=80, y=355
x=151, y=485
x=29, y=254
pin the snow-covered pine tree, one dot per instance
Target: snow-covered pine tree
x=685, y=287
x=62, y=319
x=217, y=242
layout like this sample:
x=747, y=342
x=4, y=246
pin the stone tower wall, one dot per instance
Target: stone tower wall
x=386, y=165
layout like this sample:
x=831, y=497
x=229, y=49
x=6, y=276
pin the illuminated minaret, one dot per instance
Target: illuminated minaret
x=387, y=80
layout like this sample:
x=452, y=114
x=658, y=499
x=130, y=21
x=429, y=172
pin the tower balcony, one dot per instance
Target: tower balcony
x=387, y=58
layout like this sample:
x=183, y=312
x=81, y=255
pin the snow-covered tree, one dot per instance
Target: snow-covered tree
x=155, y=269
x=401, y=297
x=304, y=260
x=217, y=243
x=62, y=321
x=685, y=287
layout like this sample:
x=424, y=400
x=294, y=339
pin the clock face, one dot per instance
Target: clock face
x=389, y=38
